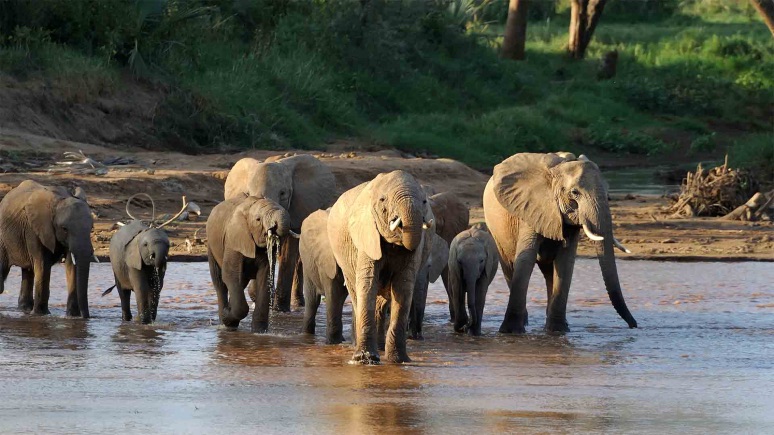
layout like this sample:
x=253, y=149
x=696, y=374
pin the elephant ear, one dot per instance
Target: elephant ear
x=80, y=194
x=439, y=257
x=133, y=255
x=451, y=215
x=362, y=226
x=523, y=186
x=492, y=255
x=314, y=187
x=39, y=209
x=317, y=236
x=238, y=237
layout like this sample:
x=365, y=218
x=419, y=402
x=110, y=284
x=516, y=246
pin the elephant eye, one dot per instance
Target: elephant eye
x=382, y=199
x=424, y=202
x=575, y=193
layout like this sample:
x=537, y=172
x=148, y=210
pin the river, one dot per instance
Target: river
x=701, y=362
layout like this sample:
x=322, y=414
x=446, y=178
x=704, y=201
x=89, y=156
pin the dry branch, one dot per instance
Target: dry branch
x=714, y=192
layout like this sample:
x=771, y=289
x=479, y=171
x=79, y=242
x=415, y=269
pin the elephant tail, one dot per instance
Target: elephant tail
x=110, y=289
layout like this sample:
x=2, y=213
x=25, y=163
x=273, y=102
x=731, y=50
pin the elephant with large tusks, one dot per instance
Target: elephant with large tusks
x=39, y=226
x=536, y=207
x=138, y=256
x=301, y=184
x=241, y=233
x=377, y=231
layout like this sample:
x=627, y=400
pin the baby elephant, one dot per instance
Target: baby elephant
x=239, y=232
x=473, y=260
x=322, y=276
x=138, y=254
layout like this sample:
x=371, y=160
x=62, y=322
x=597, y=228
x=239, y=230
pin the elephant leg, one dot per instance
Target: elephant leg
x=366, y=351
x=382, y=305
x=547, y=269
x=417, y=311
x=221, y=291
x=297, y=300
x=353, y=320
x=446, y=285
x=286, y=268
x=516, y=314
x=260, y=322
x=142, y=291
x=456, y=285
x=334, y=305
x=482, y=286
x=396, y=336
x=556, y=315
x=42, y=279
x=25, y=294
x=125, y=295
x=73, y=309
x=312, y=297
x=5, y=268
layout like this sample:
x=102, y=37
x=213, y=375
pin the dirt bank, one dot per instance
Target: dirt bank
x=641, y=224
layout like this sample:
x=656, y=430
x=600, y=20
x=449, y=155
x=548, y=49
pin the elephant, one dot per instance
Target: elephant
x=536, y=206
x=301, y=184
x=377, y=232
x=241, y=233
x=435, y=256
x=39, y=225
x=473, y=258
x=451, y=218
x=322, y=277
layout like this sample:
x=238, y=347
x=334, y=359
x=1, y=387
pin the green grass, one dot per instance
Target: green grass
x=405, y=75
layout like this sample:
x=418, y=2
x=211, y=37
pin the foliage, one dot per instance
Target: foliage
x=755, y=152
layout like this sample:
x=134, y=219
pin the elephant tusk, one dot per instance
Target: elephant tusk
x=428, y=224
x=395, y=224
x=94, y=257
x=620, y=246
x=591, y=235
x=294, y=234
x=72, y=257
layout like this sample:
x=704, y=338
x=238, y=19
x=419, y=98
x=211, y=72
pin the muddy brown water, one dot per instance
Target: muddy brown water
x=702, y=362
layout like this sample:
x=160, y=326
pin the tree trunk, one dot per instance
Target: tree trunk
x=766, y=9
x=515, y=30
x=584, y=17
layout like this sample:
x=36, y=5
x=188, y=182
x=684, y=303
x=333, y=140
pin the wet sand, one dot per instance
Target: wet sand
x=700, y=363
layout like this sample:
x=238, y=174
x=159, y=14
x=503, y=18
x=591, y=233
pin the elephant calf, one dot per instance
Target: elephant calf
x=322, y=276
x=138, y=255
x=238, y=232
x=473, y=260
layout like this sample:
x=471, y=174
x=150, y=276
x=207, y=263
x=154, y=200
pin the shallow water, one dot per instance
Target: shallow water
x=640, y=180
x=700, y=363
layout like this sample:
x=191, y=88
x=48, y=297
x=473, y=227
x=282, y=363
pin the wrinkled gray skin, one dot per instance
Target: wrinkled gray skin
x=536, y=206
x=379, y=260
x=322, y=277
x=237, y=232
x=473, y=261
x=451, y=218
x=138, y=255
x=435, y=256
x=40, y=225
x=300, y=184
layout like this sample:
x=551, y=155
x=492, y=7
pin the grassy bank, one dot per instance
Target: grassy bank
x=419, y=76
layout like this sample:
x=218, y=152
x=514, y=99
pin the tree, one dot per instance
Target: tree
x=766, y=9
x=584, y=16
x=515, y=30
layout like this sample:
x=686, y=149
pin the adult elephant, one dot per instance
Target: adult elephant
x=451, y=218
x=536, y=206
x=39, y=226
x=301, y=184
x=376, y=231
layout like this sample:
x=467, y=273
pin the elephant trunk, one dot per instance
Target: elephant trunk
x=600, y=222
x=470, y=276
x=279, y=222
x=82, y=285
x=411, y=221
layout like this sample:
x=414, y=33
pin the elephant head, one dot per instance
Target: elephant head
x=150, y=249
x=63, y=223
x=392, y=207
x=252, y=222
x=555, y=195
x=300, y=184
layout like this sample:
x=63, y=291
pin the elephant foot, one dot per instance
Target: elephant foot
x=416, y=335
x=461, y=326
x=26, y=306
x=124, y=317
x=365, y=357
x=512, y=327
x=230, y=323
x=335, y=339
x=76, y=312
x=558, y=326
x=281, y=308
x=398, y=357
x=40, y=311
x=259, y=327
x=474, y=332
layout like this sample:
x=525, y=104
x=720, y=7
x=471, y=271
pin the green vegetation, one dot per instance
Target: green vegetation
x=421, y=76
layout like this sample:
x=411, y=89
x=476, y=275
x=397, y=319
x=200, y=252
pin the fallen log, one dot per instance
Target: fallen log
x=754, y=209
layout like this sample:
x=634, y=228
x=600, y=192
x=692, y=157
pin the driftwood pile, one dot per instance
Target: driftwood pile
x=722, y=192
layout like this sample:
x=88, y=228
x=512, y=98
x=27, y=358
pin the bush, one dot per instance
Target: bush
x=756, y=153
x=618, y=140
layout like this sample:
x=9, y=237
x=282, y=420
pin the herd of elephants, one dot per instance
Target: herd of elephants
x=380, y=243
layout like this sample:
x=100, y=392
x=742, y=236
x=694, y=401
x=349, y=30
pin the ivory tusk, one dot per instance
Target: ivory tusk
x=294, y=234
x=72, y=257
x=620, y=246
x=395, y=224
x=591, y=235
x=94, y=257
x=428, y=224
